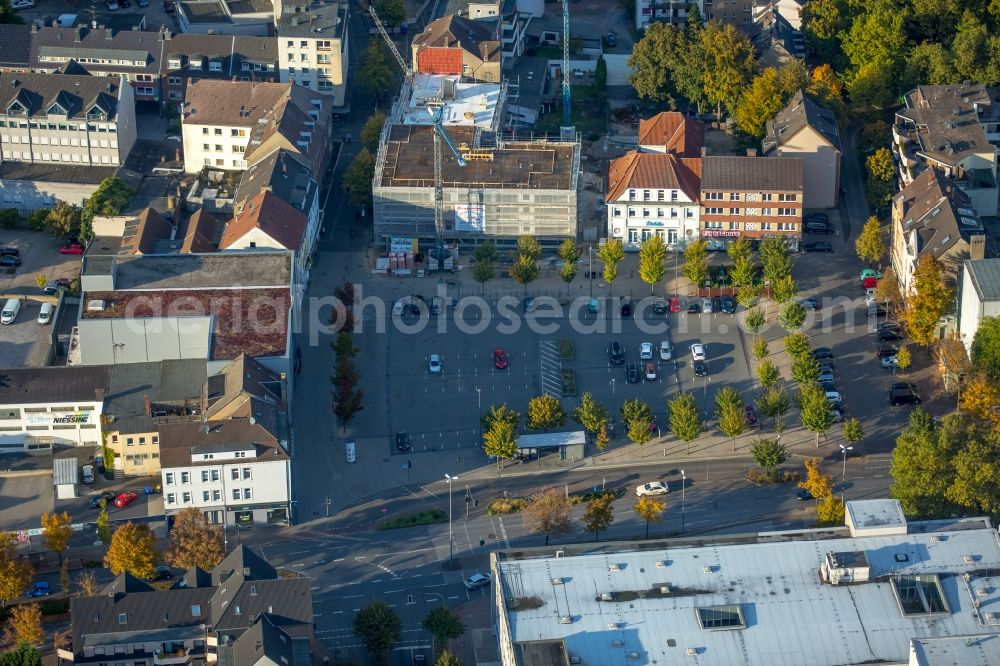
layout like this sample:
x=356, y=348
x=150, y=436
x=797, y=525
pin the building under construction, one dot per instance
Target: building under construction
x=507, y=187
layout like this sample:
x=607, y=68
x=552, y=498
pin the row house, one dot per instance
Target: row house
x=64, y=119
x=192, y=57
x=458, y=46
x=954, y=129
x=674, y=12
x=314, y=42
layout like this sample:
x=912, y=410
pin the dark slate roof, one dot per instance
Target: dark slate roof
x=267, y=639
x=179, y=440
x=232, y=51
x=244, y=562
x=77, y=95
x=321, y=18
x=800, y=112
x=126, y=583
x=947, y=120
x=174, y=385
x=77, y=383
x=936, y=214
x=985, y=276
x=284, y=174
x=15, y=45
x=474, y=37
x=751, y=174
x=99, y=43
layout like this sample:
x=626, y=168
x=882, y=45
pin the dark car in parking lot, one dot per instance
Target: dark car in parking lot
x=403, y=441
x=10, y=261
x=810, y=303
x=616, y=353
x=817, y=247
x=631, y=374
x=886, y=350
x=728, y=305
x=816, y=217
x=107, y=496
x=700, y=369
x=903, y=393
x=822, y=353
x=694, y=308
x=626, y=308
x=889, y=335
x=716, y=304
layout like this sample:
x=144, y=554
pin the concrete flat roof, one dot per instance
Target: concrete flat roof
x=204, y=271
x=473, y=104
x=760, y=600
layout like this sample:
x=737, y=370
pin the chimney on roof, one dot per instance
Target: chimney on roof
x=108, y=35
x=79, y=35
x=99, y=395
x=704, y=151
x=751, y=152
x=146, y=405
x=34, y=27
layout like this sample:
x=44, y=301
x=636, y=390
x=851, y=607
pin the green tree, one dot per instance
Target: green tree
x=760, y=103
x=973, y=54
x=570, y=254
x=63, y=220
x=784, y=289
x=755, y=320
x=348, y=400
x=528, y=246
x=111, y=197
x=768, y=453
x=602, y=439
x=929, y=63
x=814, y=410
x=599, y=515
x=486, y=251
x=853, y=432
x=776, y=257
x=921, y=468
x=823, y=21
x=903, y=359
x=828, y=90
x=375, y=74
x=869, y=244
x=500, y=441
x=379, y=628
x=483, y=272
x=744, y=271
x=774, y=404
x=760, y=350
x=132, y=549
x=15, y=573
x=443, y=625
x=748, y=296
x=729, y=411
x=880, y=185
x=695, y=266
x=768, y=374
x=358, y=179
x=601, y=81
x=25, y=625
x=446, y=658
x=649, y=509
x=392, y=12
x=548, y=514
x=343, y=346
x=730, y=64
x=876, y=37
x=797, y=345
x=805, y=370
x=500, y=412
x=739, y=250
x=652, y=256
x=930, y=299
x=652, y=60
x=590, y=414
x=23, y=654
x=887, y=289
x=792, y=77
x=791, y=316
x=58, y=530
x=37, y=219
x=524, y=271
x=685, y=417
x=611, y=253
x=544, y=412
x=985, y=352
x=636, y=411
x=372, y=132
x=103, y=529
x=870, y=90
x=638, y=432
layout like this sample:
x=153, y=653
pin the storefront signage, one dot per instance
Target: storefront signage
x=720, y=233
x=57, y=418
x=403, y=245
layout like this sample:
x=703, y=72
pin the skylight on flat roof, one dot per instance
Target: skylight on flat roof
x=919, y=595
x=713, y=618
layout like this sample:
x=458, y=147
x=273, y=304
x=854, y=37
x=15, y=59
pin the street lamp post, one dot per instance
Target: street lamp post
x=479, y=404
x=612, y=402
x=683, y=486
x=451, y=540
x=843, y=476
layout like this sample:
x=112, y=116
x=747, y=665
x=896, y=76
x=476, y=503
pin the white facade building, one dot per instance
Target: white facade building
x=313, y=47
x=40, y=407
x=235, y=471
x=978, y=297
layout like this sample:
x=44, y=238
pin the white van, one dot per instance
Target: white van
x=88, y=473
x=45, y=315
x=351, y=450
x=10, y=310
x=397, y=307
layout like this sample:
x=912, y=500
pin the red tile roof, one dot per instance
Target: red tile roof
x=681, y=135
x=654, y=171
x=273, y=216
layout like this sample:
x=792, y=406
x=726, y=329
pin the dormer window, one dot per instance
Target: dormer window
x=215, y=65
x=16, y=109
x=196, y=610
x=122, y=618
x=96, y=113
x=174, y=63
x=56, y=110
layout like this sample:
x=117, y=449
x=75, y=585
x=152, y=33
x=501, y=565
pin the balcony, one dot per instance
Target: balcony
x=64, y=647
x=179, y=655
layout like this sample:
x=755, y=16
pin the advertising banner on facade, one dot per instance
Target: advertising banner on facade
x=57, y=418
x=403, y=245
x=470, y=217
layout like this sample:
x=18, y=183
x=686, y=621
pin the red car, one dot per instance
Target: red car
x=125, y=499
x=500, y=359
x=72, y=248
x=675, y=305
x=751, y=414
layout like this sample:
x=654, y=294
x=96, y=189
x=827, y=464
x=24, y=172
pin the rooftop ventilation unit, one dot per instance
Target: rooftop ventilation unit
x=664, y=589
x=969, y=559
x=557, y=581
x=95, y=306
x=614, y=625
x=617, y=643
x=607, y=596
x=565, y=619
x=635, y=656
x=661, y=564
x=692, y=652
x=614, y=567
x=708, y=569
x=936, y=538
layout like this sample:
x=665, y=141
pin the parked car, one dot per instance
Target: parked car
x=829, y=387
x=886, y=350
x=528, y=304
x=889, y=335
x=675, y=305
x=631, y=374
x=9, y=261
x=646, y=351
x=875, y=310
x=822, y=353
x=611, y=39
x=817, y=247
x=434, y=365
x=716, y=304
x=834, y=397
x=651, y=489
x=477, y=580
x=22, y=4
x=649, y=372
x=803, y=494
x=626, y=310
x=890, y=362
x=751, y=414
x=870, y=273
x=403, y=441
x=700, y=369
x=903, y=393
x=112, y=5
x=837, y=415
x=706, y=305
x=499, y=359
x=45, y=313
x=810, y=303
x=125, y=498
x=666, y=350
x=694, y=307
x=106, y=496
x=816, y=217
x=698, y=352
x=728, y=305
x=40, y=589
x=161, y=572
x=71, y=248
x=887, y=326
x=53, y=287
x=616, y=353
x=826, y=376
x=659, y=305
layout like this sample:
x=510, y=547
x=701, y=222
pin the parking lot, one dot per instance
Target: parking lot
x=26, y=342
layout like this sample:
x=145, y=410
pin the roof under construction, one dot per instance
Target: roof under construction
x=538, y=165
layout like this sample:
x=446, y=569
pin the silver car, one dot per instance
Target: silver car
x=706, y=305
x=434, y=365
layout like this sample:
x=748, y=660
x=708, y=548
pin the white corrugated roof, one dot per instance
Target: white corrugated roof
x=64, y=471
x=956, y=651
x=792, y=617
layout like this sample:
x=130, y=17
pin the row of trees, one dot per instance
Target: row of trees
x=347, y=397
x=549, y=513
x=380, y=628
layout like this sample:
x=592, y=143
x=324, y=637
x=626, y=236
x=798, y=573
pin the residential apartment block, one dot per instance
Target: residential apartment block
x=313, y=41
x=234, y=471
x=674, y=12
x=807, y=130
x=978, y=296
x=458, y=46
x=66, y=119
x=193, y=57
x=956, y=130
x=932, y=216
x=753, y=197
x=241, y=612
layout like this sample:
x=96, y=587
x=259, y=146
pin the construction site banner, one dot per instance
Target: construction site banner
x=470, y=217
x=397, y=244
